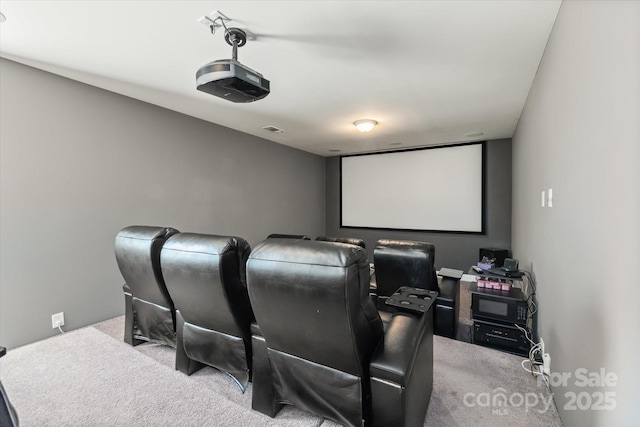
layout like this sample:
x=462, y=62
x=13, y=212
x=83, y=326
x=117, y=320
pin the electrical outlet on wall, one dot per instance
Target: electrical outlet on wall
x=57, y=320
x=546, y=364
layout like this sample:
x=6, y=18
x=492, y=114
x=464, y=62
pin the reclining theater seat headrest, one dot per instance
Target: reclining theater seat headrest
x=213, y=245
x=137, y=250
x=404, y=263
x=311, y=300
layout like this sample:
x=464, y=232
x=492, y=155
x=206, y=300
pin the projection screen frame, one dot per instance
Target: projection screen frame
x=435, y=147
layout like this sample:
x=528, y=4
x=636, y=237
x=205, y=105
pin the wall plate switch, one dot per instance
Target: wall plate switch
x=550, y=194
x=57, y=320
x=543, y=196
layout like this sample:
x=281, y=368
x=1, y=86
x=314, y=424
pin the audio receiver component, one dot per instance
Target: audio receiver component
x=501, y=336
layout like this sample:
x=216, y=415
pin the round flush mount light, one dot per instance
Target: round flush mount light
x=365, y=125
x=2, y=17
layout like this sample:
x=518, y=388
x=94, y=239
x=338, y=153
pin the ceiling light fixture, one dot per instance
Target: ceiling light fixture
x=365, y=125
x=2, y=17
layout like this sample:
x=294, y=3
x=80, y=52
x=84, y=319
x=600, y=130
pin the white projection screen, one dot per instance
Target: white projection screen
x=429, y=189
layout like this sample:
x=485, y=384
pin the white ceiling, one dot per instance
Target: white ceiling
x=428, y=71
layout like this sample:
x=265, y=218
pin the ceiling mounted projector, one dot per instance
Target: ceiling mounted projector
x=229, y=79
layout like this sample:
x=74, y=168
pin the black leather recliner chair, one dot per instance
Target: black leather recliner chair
x=149, y=310
x=348, y=240
x=320, y=343
x=407, y=263
x=206, y=277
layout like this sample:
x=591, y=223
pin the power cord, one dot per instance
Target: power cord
x=539, y=361
x=536, y=358
x=530, y=292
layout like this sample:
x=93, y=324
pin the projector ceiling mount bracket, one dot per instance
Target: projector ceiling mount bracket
x=236, y=38
x=214, y=21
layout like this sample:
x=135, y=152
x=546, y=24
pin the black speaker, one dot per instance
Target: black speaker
x=498, y=254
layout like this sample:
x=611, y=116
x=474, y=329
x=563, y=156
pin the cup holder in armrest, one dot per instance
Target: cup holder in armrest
x=412, y=299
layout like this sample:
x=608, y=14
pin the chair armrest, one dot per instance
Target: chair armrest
x=395, y=355
x=401, y=371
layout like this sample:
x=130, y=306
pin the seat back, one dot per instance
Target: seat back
x=348, y=240
x=137, y=251
x=206, y=277
x=404, y=263
x=311, y=300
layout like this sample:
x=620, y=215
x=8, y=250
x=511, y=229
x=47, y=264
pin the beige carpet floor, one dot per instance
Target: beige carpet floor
x=90, y=377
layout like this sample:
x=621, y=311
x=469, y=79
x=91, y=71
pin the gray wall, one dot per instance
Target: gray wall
x=79, y=163
x=452, y=250
x=579, y=134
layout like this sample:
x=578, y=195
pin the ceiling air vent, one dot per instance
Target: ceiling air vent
x=273, y=129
